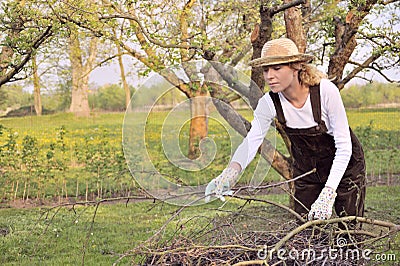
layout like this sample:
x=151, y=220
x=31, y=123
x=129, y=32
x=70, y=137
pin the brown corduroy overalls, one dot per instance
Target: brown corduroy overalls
x=315, y=148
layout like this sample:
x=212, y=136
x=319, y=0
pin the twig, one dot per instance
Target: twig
x=279, y=183
x=89, y=233
x=251, y=262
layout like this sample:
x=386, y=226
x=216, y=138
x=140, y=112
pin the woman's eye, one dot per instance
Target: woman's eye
x=277, y=68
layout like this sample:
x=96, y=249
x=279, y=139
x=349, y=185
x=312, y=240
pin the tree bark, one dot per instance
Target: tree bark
x=199, y=121
x=261, y=34
x=80, y=74
x=294, y=26
x=123, y=79
x=345, y=37
x=36, y=88
x=305, y=14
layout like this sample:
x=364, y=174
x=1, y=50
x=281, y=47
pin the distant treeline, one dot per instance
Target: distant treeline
x=112, y=97
x=372, y=95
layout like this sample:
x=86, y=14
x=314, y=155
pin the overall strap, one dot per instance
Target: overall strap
x=278, y=108
x=316, y=103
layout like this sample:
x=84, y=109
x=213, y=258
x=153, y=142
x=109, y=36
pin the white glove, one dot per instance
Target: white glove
x=221, y=185
x=321, y=209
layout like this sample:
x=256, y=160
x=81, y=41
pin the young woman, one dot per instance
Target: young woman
x=312, y=114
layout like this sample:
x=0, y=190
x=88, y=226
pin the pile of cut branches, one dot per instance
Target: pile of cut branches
x=246, y=237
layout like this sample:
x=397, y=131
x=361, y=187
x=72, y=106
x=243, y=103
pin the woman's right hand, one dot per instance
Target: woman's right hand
x=221, y=185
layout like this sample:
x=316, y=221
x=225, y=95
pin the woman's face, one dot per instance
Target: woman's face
x=279, y=77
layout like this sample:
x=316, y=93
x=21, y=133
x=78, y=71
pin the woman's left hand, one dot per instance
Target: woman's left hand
x=322, y=207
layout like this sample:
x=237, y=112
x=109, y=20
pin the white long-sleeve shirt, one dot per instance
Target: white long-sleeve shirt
x=333, y=113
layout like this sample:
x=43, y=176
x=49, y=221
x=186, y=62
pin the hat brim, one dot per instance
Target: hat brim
x=277, y=60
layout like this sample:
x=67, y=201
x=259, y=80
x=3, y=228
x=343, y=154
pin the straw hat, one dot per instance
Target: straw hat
x=280, y=51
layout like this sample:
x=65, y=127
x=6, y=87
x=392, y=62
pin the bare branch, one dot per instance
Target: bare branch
x=99, y=64
x=357, y=70
x=283, y=7
x=279, y=183
x=240, y=55
x=365, y=65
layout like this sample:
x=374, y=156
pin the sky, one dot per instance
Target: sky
x=105, y=75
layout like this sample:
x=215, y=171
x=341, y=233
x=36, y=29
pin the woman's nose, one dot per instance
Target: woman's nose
x=267, y=74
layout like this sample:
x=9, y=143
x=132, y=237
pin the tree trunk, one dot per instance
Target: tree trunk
x=79, y=100
x=261, y=34
x=123, y=78
x=36, y=88
x=306, y=13
x=345, y=40
x=198, y=122
x=294, y=26
x=80, y=74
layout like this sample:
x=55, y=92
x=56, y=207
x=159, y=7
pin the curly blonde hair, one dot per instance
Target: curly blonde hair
x=309, y=75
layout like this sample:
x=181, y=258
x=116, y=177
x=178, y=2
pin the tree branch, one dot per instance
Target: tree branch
x=278, y=161
x=184, y=29
x=283, y=7
x=229, y=75
x=240, y=55
x=132, y=17
x=357, y=70
x=364, y=65
x=99, y=64
x=17, y=68
x=345, y=39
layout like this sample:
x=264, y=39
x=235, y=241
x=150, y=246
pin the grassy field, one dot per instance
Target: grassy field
x=63, y=156
x=59, y=156
x=48, y=159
